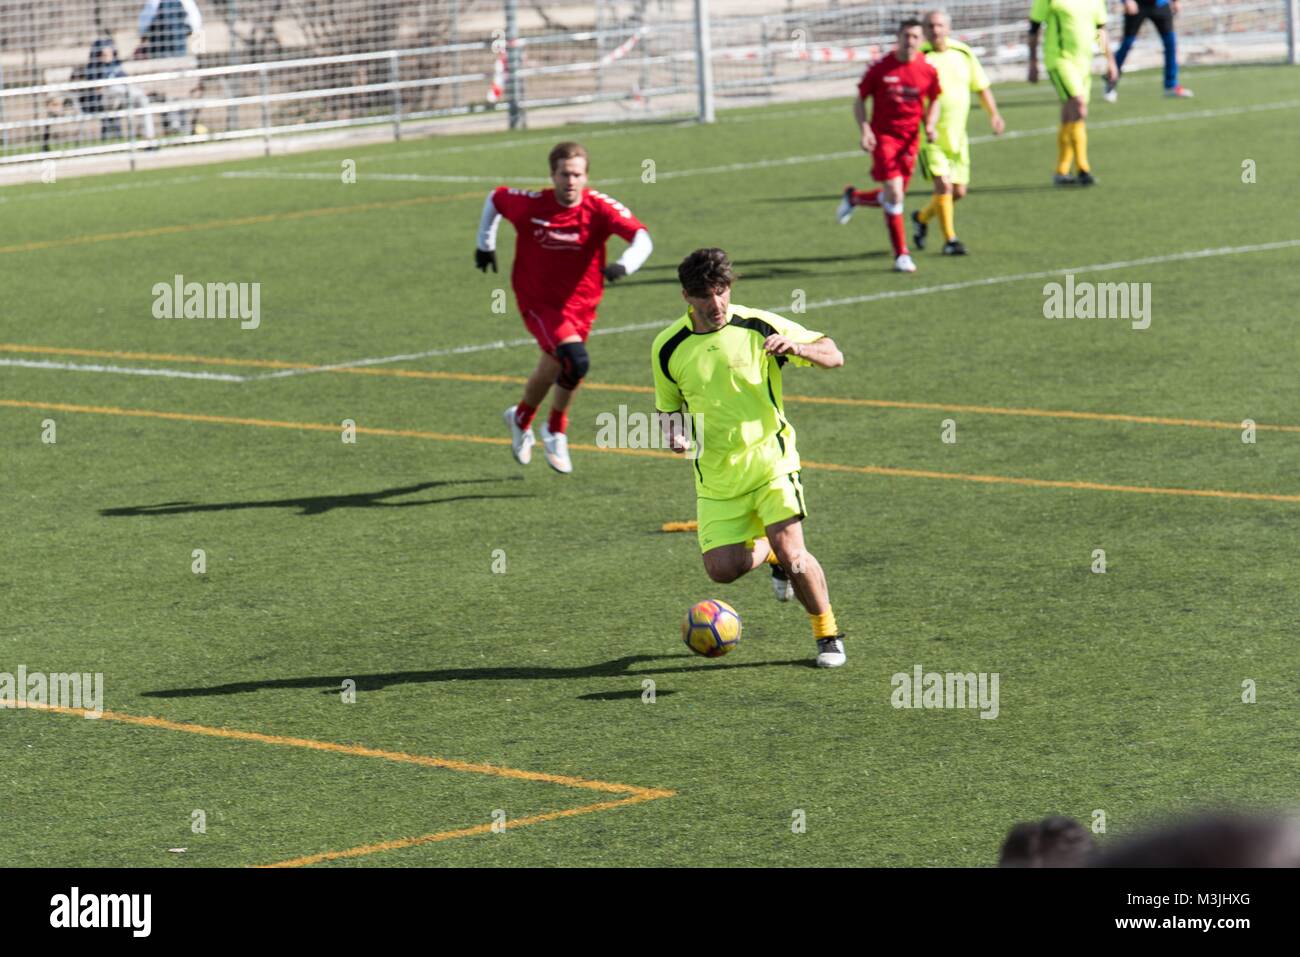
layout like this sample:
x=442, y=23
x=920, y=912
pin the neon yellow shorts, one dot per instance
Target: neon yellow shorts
x=740, y=520
x=1071, y=78
x=953, y=165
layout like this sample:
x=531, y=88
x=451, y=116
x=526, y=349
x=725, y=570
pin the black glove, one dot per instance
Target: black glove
x=614, y=272
x=484, y=258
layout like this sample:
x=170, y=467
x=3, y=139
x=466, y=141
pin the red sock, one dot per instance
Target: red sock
x=524, y=414
x=866, y=197
x=558, y=422
x=897, y=238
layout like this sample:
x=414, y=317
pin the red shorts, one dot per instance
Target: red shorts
x=551, y=326
x=893, y=157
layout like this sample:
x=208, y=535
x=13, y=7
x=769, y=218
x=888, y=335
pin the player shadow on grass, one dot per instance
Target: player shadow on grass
x=332, y=684
x=320, y=504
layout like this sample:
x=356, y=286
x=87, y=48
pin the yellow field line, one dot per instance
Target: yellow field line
x=652, y=453
x=228, y=223
x=638, y=795
x=357, y=750
x=474, y=831
x=647, y=390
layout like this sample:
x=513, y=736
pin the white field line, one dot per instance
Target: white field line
x=778, y=161
x=53, y=191
x=641, y=326
x=394, y=177
x=454, y=351
x=123, y=370
x=1043, y=274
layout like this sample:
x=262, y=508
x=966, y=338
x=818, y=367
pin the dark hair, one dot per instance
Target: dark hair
x=705, y=270
x=1051, y=842
x=563, y=151
x=1224, y=839
x=909, y=23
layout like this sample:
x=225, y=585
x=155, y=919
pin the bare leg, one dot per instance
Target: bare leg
x=803, y=568
x=726, y=563
x=540, y=382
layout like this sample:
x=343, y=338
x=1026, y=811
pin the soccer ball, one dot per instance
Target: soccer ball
x=711, y=628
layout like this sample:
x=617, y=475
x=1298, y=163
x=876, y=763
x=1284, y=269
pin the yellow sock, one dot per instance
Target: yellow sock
x=771, y=553
x=1064, y=149
x=930, y=210
x=945, y=216
x=824, y=625
x=1079, y=139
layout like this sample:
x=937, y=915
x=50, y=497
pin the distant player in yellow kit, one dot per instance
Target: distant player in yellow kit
x=1067, y=55
x=946, y=160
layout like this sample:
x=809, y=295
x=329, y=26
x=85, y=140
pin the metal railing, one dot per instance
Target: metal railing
x=635, y=64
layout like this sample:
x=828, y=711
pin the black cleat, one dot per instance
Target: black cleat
x=954, y=247
x=1064, y=179
x=1087, y=179
x=918, y=234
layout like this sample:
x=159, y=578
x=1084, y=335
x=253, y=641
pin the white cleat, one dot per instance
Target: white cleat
x=830, y=652
x=521, y=440
x=555, y=446
x=904, y=264
x=782, y=587
x=844, y=212
x=1179, y=92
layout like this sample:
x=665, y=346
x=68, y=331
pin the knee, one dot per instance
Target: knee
x=794, y=560
x=574, y=363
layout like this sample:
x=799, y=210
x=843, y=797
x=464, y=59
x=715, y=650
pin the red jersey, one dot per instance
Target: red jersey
x=560, y=250
x=899, y=90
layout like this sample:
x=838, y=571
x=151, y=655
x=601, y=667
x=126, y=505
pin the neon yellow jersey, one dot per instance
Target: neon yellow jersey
x=732, y=388
x=1071, y=28
x=960, y=75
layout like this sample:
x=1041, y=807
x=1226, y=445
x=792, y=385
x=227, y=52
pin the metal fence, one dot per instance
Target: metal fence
x=252, y=69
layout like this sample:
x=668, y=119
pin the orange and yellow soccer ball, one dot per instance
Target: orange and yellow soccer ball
x=711, y=628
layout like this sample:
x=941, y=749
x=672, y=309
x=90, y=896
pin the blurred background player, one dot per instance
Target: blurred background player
x=1161, y=13
x=898, y=86
x=947, y=160
x=722, y=362
x=1067, y=54
x=558, y=277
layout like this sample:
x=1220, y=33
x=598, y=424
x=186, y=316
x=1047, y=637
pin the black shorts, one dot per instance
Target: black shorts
x=1161, y=17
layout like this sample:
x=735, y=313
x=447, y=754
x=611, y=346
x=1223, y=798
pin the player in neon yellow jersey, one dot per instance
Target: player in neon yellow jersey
x=946, y=160
x=723, y=362
x=1067, y=55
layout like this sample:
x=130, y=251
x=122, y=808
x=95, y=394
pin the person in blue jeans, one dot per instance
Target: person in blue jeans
x=1161, y=13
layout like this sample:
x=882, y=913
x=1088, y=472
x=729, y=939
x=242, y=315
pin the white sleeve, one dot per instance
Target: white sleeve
x=147, y=14
x=195, y=18
x=487, y=226
x=637, y=253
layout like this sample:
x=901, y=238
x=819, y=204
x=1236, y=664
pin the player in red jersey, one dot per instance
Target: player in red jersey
x=558, y=277
x=898, y=86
